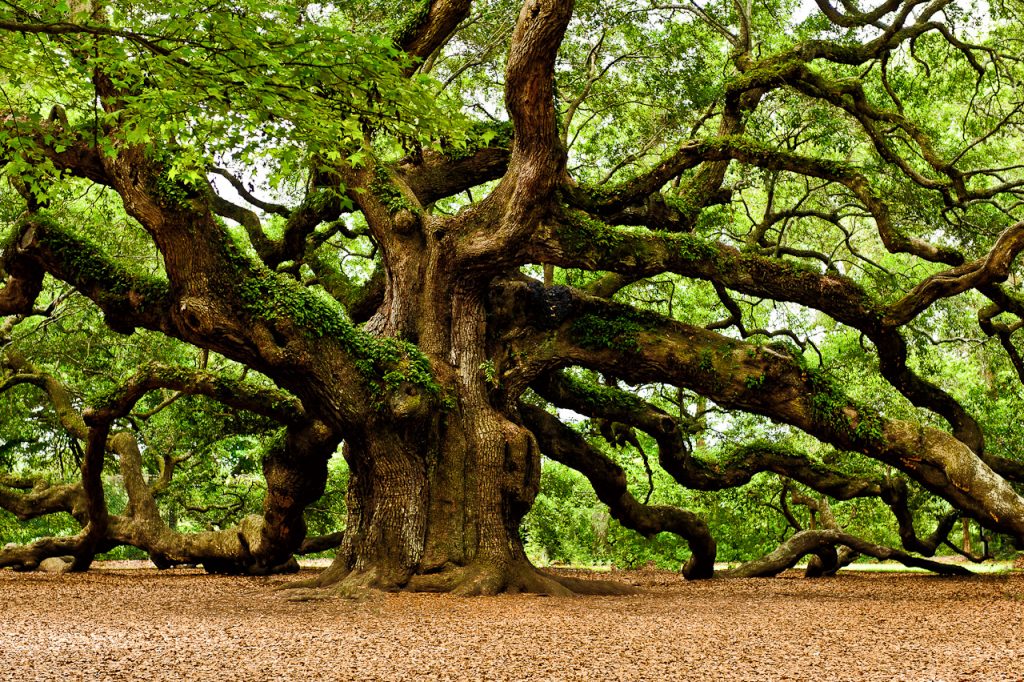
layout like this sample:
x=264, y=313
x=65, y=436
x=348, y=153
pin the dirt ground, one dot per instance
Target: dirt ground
x=185, y=625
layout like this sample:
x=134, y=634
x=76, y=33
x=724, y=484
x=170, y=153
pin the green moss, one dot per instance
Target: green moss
x=601, y=398
x=749, y=151
x=387, y=193
x=617, y=332
x=683, y=204
x=581, y=232
x=411, y=20
x=832, y=408
x=225, y=388
x=766, y=75
x=385, y=363
x=89, y=268
x=753, y=382
x=603, y=194
x=706, y=360
x=690, y=247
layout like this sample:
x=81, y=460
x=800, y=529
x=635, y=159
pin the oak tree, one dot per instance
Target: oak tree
x=436, y=235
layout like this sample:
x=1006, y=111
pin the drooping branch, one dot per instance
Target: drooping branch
x=320, y=543
x=96, y=528
x=896, y=496
x=993, y=268
x=582, y=242
x=85, y=501
x=675, y=455
x=237, y=393
x=243, y=191
x=609, y=481
x=321, y=205
x=215, y=297
x=41, y=498
x=66, y=149
x=28, y=557
x=294, y=468
x=854, y=18
x=609, y=201
x=746, y=151
x=742, y=463
x=60, y=398
x=306, y=446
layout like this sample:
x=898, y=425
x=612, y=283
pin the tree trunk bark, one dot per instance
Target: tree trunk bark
x=437, y=507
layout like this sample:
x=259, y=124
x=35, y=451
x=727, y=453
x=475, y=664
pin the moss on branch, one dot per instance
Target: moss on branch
x=126, y=297
x=385, y=363
x=619, y=330
x=384, y=189
x=832, y=407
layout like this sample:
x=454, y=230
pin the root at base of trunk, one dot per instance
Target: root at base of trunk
x=477, y=579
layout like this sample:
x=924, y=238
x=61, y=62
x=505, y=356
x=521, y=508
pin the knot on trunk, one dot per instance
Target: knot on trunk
x=196, y=315
x=407, y=401
x=406, y=221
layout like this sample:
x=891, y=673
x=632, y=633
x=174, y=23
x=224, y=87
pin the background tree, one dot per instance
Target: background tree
x=741, y=238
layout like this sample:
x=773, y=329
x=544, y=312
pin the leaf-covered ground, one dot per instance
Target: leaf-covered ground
x=183, y=624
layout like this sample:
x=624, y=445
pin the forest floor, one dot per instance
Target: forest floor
x=186, y=625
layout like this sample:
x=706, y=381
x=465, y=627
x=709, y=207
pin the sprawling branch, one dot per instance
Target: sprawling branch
x=642, y=347
x=294, y=467
x=609, y=480
x=42, y=498
x=237, y=393
x=674, y=453
x=580, y=242
x=39, y=244
x=740, y=465
x=435, y=176
x=993, y=268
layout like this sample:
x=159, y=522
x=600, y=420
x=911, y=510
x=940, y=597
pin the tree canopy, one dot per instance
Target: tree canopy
x=677, y=248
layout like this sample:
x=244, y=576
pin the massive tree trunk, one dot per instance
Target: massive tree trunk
x=439, y=508
x=438, y=487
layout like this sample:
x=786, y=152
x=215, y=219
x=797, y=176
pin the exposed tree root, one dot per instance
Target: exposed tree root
x=354, y=585
x=477, y=579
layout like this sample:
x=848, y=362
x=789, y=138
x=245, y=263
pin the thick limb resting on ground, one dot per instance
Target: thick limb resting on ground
x=257, y=546
x=812, y=541
x=766, y=256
